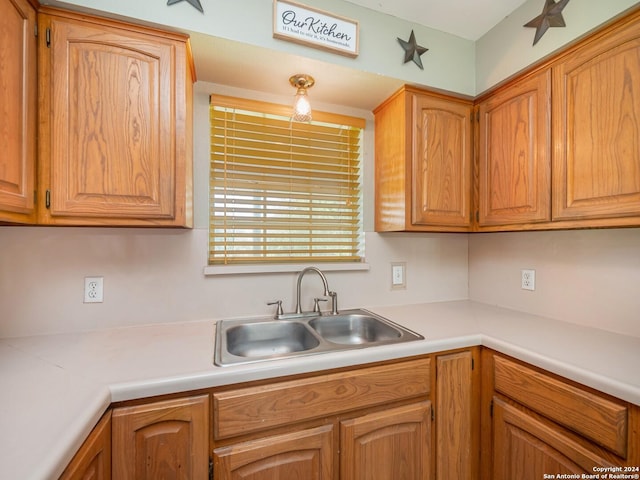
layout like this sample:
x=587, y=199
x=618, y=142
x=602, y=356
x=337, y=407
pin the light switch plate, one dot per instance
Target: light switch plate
x=398, y=275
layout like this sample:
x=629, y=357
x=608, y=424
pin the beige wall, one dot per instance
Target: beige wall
x=589, y=277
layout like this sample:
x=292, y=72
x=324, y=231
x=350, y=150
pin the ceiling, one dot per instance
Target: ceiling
x=468, y=19
x=249, y=67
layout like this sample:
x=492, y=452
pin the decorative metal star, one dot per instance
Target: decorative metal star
x=195, y=3
x=551, y=16
x=412, y=50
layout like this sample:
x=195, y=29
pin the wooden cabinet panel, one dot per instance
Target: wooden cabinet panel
x=253, y=409
x=423, y=146
x=116, y=148
x=307, y=454
x=441, y=162
x=18, y=102
x=592, y=416
x=395, y=443
x=93, y=459
x=165, y=439
x=526, y=448
x=596, y=127
x=514, y=162
x=455, y=457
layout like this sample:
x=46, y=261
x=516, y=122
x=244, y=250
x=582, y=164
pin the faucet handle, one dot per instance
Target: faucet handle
x=279, y=311
x=316, y=304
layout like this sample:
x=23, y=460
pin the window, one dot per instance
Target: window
x=282, y=191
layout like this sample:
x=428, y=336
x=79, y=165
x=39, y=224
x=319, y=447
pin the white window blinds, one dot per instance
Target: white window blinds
x=283, y=191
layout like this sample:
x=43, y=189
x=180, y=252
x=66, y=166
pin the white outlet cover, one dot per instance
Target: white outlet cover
x=93, y=289
x=528, y=279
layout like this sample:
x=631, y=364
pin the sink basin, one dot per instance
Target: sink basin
x=256, y=340
x=354, y=329
x=269, y=338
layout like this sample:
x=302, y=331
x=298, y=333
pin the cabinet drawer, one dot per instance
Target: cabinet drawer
x=592, y=416
x=252, y=409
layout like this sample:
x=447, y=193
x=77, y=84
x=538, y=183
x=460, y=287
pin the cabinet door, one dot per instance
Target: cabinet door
x=455, y=456
x=526, y=448
x=441, y=162
x=18, y=99
x=166, y=439
x=113, y=151
x=596, y=112
x=307, y=454
x=93, y=460
x=395, y=443
x=515, y=153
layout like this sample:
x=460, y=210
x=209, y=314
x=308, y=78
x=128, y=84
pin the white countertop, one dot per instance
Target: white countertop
x=56, y=387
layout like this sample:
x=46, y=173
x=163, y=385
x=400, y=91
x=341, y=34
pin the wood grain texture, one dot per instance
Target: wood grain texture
x=93, y=459
x=526, y=448
x=117, y=143
x=515, y=153
x=395, y=443
x=592, y=416
x=596, y=112
x=307, y=454
x=165, y=439
x=18, y=103
x=254, y=409
x=454, y=409
x=441, y=162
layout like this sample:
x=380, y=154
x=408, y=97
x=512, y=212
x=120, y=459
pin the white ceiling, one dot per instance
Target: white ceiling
x=468, y=19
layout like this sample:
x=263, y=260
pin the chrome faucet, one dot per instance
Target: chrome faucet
x=316, y=307
x=300, y=275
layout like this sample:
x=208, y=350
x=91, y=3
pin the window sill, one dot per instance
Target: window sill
x=211, y=270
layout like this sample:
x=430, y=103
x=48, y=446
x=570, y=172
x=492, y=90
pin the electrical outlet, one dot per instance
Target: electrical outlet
x=93, y=289
x=528, y=279
x=398, y=280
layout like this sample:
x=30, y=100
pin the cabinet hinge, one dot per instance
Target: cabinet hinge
x=478, y=116
x=433, y=414
x=210, y=469
x=477, y=215
x=35, y=30
x=48, y=37
x=47, y=199
x=473, y=363
x=491, y=409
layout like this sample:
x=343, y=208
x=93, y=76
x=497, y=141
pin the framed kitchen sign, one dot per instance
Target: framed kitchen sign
x=309, y=26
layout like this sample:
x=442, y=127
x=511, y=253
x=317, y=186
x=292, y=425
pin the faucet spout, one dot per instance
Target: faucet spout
x=300, y=276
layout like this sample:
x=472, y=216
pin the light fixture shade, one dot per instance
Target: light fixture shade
x=301, y=106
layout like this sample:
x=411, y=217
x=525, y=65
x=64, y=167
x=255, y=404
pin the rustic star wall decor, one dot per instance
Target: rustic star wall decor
x=412, y=50
x=194, y=3
x=551, y=16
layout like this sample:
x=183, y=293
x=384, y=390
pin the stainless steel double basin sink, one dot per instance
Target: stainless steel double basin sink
x=251, y=340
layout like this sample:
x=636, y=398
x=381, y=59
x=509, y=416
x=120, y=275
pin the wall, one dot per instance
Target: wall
x=588, y=277
x=156, y=275
x=508, y=47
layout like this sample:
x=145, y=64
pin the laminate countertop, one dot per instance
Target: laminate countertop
x=56, y=387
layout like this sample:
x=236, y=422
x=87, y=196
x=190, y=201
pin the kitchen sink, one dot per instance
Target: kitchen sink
x=354, y=329
x=255, y=340
x=262, y=339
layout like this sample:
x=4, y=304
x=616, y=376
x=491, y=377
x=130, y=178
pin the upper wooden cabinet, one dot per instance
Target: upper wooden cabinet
x=116, y=114
x=18, y=102
x=514, y=153
x=423, y=147
x=596, y=127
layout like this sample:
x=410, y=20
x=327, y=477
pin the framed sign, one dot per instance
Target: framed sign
x=310, y=26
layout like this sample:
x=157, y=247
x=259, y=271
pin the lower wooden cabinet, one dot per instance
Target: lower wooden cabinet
x=93, y=460
x=525, y=447
x=305, y=454
x=395, y=443
x=165, y=439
